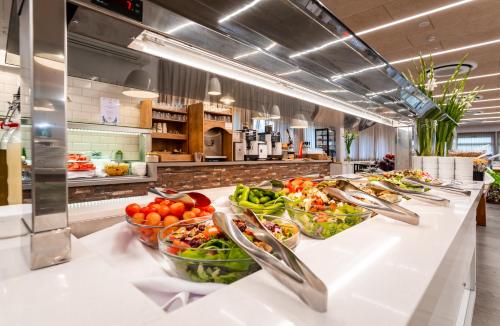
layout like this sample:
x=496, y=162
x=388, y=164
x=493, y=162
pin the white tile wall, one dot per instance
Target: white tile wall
x=9, y=82
x=83, y=106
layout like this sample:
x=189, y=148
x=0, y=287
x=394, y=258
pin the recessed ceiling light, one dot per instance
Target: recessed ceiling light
x=431, y=38
x=424, y=23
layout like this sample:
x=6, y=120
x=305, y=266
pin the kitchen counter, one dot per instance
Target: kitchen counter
x=301, y=161
x=380, y=271
x=101, y=181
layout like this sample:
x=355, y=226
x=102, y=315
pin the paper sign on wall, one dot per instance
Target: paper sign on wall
x=110, y=111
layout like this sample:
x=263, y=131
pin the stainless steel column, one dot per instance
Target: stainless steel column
x=403, y=147
x=43, y=89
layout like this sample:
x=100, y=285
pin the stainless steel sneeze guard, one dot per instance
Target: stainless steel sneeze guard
x=42, y=32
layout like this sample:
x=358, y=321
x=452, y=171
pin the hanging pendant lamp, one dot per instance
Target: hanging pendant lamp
x=139, y=84
x=299, y=121
x=275, y=112
x=214, y=87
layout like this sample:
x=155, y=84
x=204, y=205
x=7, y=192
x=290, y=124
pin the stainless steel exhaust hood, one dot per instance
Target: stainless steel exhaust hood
x=298, y=46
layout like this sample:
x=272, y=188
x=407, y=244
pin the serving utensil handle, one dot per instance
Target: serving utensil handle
x=295, y=276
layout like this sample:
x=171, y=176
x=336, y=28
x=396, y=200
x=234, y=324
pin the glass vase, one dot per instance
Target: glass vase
x=426, y=136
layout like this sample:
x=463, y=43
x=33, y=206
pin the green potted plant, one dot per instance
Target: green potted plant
x=349, y=137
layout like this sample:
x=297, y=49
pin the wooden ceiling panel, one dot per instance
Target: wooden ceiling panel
x=368, y=19
x=343, y=9
x=404, y=8
x=464, y=25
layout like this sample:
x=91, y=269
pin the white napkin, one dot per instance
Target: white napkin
x=144, y=267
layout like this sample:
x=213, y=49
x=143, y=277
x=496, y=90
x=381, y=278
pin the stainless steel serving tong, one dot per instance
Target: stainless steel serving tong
x=428, y=198
x=445, y=188
x=283, y=265
x=346, y=191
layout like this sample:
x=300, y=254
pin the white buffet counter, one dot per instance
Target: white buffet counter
x=380, y=272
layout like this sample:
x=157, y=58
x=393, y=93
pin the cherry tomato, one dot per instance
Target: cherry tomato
x=138, y=218
x=177, y=209
x=153, y=218
x=156, y=207
x=189, y=214
x=209, y=209
x=170, y=219
x=163, y=210
x=211, y=232
x=132, y=209
x=166, y=202
x=196, y=211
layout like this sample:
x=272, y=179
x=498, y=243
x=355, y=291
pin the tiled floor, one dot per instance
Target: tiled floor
x=487, y=309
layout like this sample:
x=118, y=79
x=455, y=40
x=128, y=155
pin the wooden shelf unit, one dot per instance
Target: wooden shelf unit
x=198, y=125
x=166, y=143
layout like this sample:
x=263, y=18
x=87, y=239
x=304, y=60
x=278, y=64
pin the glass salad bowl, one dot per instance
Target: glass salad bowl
x=147, y=234
x=197, y=251
x=326, y=223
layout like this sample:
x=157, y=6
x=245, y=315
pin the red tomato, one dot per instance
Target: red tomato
x=146, y=210
x=166, y=202
x=159, y=200
x=153, y=218
x=189, y=214
x=211, y=232
x=156, y=207
x=177, y=209
x=196, y=211
x=170, y=219
x=132, y=209
x=209, y=209
x=163, y=210
x=138, y=218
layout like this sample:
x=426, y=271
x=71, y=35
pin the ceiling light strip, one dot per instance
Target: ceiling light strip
x=468, y=92
x=473, y=119
x=407, y=19
x=466, y=47
x=484, y=107
x=488, y=100
x=380, y=27
x=471, y=77
x=176, y=51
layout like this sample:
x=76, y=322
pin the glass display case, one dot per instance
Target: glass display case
x=325, y=139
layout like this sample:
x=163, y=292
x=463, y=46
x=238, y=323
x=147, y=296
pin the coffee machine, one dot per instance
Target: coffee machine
x=251, y=145
x=276, y=146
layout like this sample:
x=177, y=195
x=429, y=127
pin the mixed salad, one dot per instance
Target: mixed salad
x=398, y=178
x=319, y=215
x=202, y=253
